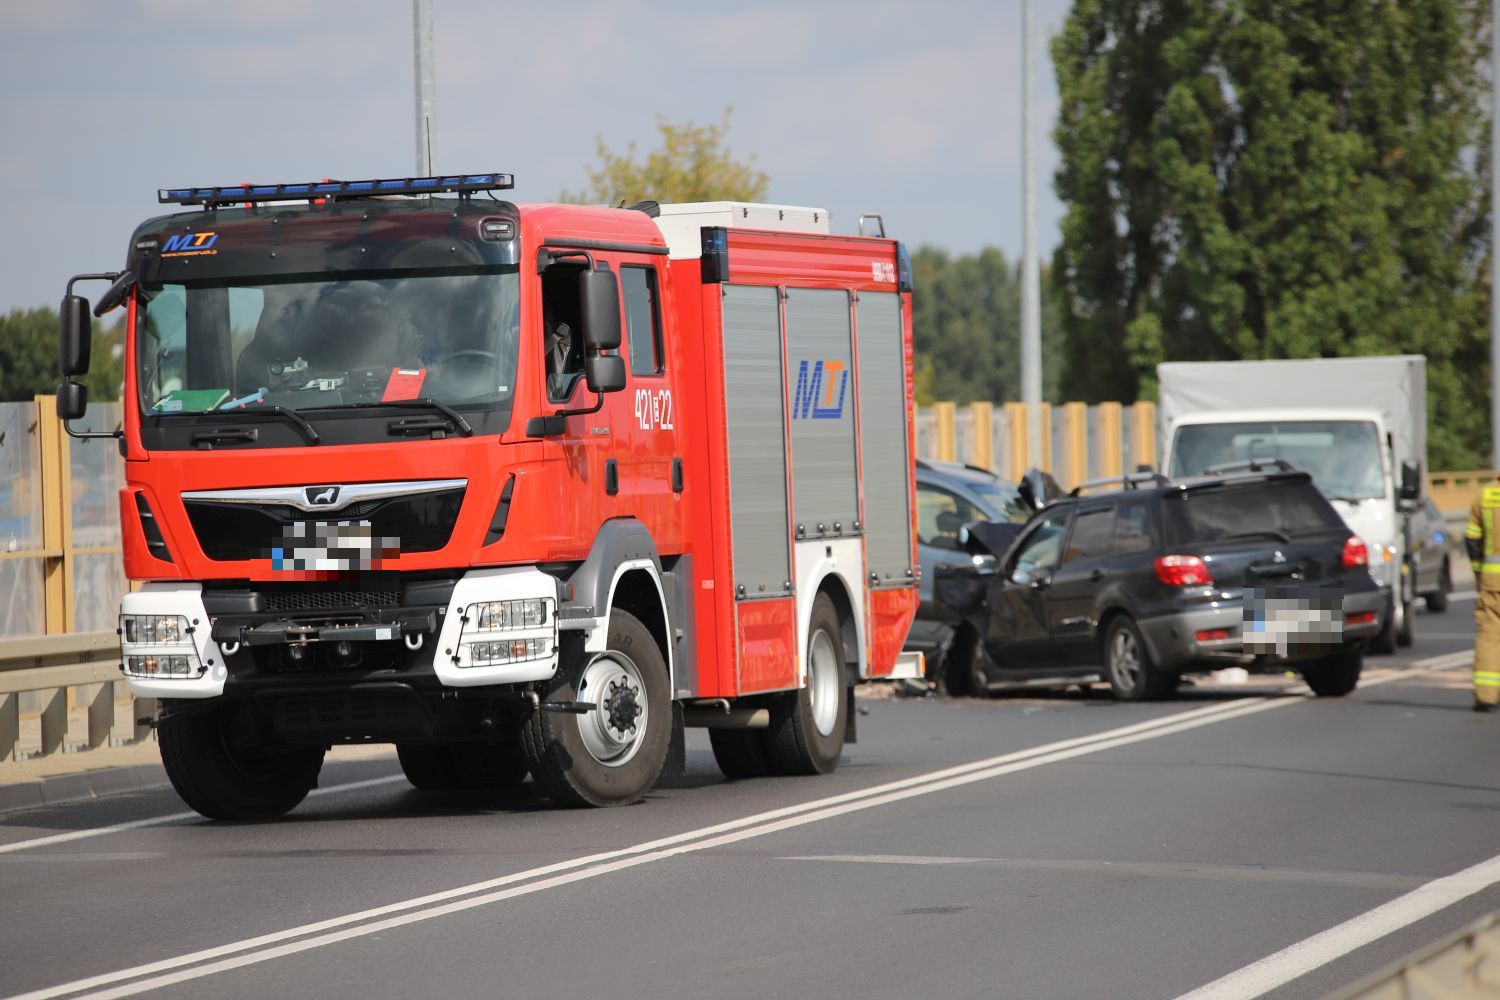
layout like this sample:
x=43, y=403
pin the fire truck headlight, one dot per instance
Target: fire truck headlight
x=154, y=630
x=158, y=646
x=500, y=616
x=507, y=651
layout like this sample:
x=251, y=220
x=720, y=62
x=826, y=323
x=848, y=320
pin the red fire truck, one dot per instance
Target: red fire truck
x=523, y=489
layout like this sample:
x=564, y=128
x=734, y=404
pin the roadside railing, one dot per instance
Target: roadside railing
x=64, y=692
x=1463, y=966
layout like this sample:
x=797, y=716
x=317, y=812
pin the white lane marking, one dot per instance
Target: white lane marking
x=749, y=827
x=1463, y=595
x=136, y=824
x=1311, y=953
x=783, y=818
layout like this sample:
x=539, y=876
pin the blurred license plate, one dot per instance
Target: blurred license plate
x=332, y=546
x=1277, y=622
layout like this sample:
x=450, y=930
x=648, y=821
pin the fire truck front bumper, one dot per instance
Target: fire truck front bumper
x=487, y=627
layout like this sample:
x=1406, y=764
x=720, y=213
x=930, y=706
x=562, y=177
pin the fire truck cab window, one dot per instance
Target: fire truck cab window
x=562, y=329
x=328, y=341
x=642, y=319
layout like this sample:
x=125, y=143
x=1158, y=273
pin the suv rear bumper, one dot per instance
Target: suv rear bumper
x=1174, y=643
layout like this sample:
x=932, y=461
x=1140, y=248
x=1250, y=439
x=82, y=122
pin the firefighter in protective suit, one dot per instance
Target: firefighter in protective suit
x=1482, y=539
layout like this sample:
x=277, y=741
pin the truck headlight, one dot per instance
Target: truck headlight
x=508, y=651
x=500, y=616
x=154, y=630
x=158, y=646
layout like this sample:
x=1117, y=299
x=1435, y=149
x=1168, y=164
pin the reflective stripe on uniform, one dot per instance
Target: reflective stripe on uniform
x=1473, y=530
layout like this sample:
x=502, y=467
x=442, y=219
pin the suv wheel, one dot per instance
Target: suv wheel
x=1132, y=675
x=1335, y=676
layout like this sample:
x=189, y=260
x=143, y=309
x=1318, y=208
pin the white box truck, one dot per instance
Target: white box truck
x=1358, y=425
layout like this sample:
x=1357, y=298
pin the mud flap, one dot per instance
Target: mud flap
x=851, y=712
x=676, y=764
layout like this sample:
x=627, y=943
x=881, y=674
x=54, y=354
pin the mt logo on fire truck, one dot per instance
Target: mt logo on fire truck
x=806, y=402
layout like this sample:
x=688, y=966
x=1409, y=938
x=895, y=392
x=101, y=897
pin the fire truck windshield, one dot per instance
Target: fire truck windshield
x=332, y=340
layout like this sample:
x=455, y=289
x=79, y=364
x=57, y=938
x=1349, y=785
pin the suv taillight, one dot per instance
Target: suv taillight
x=1183, y=571
x=1355, y=553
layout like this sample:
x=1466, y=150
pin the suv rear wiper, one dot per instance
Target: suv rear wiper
x=286, y=413
x=426, y=403
x=1268, y=533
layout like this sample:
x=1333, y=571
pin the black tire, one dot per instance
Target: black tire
x=1406, y=624
x=796, y=741
x=741, y=753
x=1384, y=641
x=224, y=780
x=1335, y=676
x=1128, y=667
x=463, y=765
x=963, y=667
x=631, y=675
x=1438, y=603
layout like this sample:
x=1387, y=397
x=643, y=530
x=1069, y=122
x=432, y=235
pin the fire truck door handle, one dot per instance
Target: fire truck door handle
x=611, y=477
x=676, y=475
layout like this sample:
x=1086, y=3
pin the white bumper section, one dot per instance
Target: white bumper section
x=186, y=600
x=453, y=660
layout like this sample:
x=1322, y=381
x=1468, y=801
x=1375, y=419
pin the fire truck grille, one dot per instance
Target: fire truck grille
x=328, y=600
x=421, y=522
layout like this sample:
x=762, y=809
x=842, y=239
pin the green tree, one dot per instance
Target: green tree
x=693, y=164
x=966, y=328
x=1275, y=178
x=28, y=356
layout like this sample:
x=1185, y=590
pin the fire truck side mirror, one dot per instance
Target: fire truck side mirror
x=605, y=372
x=599, y=293
x=72, y=401
x=73, y=335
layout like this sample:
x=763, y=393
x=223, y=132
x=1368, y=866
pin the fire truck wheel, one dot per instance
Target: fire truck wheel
x=740, y=753
x=462, y=765
x=807, y=726
x=613, y=753
x=224, y=780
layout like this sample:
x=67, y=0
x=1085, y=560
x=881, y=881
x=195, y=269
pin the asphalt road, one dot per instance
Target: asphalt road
x=1055, y=846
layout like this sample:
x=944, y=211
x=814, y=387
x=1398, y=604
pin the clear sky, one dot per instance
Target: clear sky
x=907, y=108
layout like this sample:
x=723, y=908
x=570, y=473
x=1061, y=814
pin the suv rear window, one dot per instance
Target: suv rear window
x=1217, y=513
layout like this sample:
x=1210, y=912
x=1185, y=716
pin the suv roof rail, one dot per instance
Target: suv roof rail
x=1252, y=465
x=1132, y=481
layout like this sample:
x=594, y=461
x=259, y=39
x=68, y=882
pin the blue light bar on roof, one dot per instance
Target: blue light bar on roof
x=239, y=193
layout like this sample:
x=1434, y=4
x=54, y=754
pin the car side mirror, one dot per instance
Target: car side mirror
x=985, y=565
x=604, y=372
x=74, y=334
x=599, y=294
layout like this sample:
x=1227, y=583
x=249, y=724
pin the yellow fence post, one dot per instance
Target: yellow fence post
x=984, y=435
x=1111, y=445
x=1075, y=467
x=57, y=518
x=1017, y=444
x=1143, y=433
x=944, y=417
x=1046, y=458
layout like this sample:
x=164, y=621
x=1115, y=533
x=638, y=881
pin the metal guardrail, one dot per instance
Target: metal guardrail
x=1463, y=966
x=44, y=670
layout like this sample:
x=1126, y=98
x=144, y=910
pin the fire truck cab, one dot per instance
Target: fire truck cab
x=523, y=489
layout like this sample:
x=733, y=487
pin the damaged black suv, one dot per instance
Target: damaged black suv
x=1143, y=584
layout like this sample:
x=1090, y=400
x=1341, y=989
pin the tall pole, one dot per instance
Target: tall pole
x=422, y=34
x=1495, y=234
x=1031, y=293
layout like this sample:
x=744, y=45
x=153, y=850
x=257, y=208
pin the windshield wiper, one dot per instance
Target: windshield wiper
x=286, y=413
x=426, y=403
x=1268, y=533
